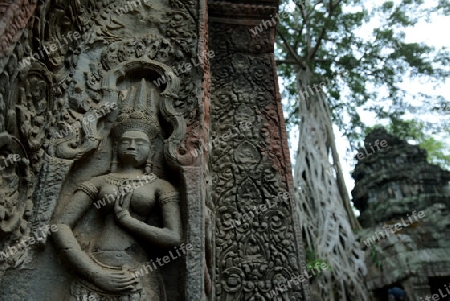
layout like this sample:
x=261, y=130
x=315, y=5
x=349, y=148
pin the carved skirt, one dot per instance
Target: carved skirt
x=149, y=288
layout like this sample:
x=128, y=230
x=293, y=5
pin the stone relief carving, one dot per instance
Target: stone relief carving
x=15, y=202
x=254, y=254
x=71, y=137
x=34, y=107
x=14, y=17
x=55, y=94
x=104, y=270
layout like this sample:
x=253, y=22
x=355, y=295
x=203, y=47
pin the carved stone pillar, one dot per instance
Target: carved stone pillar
x=257, y=246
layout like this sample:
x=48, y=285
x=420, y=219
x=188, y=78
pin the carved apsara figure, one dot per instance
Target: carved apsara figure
x=105, y=270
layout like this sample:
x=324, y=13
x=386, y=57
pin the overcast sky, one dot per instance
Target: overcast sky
x=434, y=34
x=431, y=34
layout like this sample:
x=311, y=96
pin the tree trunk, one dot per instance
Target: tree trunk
x=339, y=176
x=325, y=212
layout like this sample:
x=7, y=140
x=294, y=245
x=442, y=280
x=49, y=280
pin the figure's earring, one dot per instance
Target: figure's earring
x=149, y=164
x=114, y=161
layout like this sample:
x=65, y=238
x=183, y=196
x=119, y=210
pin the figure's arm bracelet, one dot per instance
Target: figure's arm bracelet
x=89, y=188
x=172, y=197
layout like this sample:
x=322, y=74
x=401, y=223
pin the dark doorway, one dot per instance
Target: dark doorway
x=381, y=294
x=440, y=286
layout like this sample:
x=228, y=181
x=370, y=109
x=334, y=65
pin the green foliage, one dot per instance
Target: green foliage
x=374, y=256
x=312, y=261
x=323, y=35
x=417, y=131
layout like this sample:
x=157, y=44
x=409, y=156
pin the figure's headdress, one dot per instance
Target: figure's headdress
x=137, y=112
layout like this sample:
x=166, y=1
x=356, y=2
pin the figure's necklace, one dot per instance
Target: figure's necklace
x=117, y=180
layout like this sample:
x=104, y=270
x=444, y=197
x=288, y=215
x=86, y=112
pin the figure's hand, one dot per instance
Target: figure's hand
x=115, y=281
x=122, y=207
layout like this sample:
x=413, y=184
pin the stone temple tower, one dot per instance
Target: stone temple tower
x=405, y=205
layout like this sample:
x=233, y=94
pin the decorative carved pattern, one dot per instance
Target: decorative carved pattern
x=52, y=177
x=125, y=234
x=248, y=167
x=13, y=19
x=228, y=10
x=253, y=252
x=151, y=47
x=15, y=202
x=34, y=107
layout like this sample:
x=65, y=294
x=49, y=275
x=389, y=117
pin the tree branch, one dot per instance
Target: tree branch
x=335, y=4
x=319, y=41
x=302, y=12
x=354, y=223
x=289, y=62
x=322, y=34
x=291, y=51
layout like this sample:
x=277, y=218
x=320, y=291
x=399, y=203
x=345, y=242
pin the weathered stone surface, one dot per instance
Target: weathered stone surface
x=14, y=16
x=62, y=92
x=98, y=95
x=257, y=242
x=404, y=203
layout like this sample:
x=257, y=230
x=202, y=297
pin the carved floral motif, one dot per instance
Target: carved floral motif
x=34, y=106
x=255, y=254
x=15, y=202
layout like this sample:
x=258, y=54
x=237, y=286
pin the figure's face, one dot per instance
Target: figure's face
x=133, y=147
